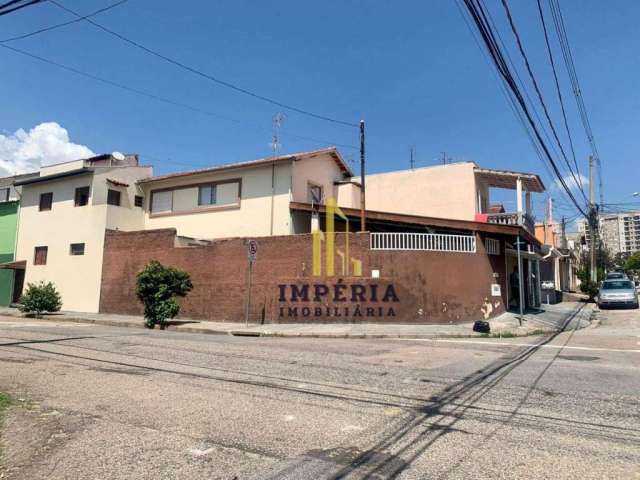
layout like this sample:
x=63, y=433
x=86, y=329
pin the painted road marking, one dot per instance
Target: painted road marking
x=199, y=453
x=350, y=428
x=504, y=344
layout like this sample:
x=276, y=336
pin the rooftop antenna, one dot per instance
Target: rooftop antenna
x=412, y=161
x=278, y=120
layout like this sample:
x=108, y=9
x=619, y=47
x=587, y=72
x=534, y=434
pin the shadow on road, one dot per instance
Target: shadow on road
x=418, y=438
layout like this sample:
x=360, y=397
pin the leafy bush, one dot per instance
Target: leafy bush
x=590, y=288
x=39, y=298
x=633, y=263
x=157, y=288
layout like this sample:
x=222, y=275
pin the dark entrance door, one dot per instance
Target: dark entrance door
x=18, y=283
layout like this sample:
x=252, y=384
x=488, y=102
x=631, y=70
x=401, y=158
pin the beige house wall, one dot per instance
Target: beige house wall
x=348, y=195
x=321, y=170
x=77, y=277
x=61, y=167
x=127, y=216
x=443, y=191
x=251, y=218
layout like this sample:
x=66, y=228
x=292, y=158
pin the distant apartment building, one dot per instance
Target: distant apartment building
x=620, y=232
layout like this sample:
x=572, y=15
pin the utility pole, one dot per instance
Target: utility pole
x=363, y=226
x=592, y=224
x=275, y=146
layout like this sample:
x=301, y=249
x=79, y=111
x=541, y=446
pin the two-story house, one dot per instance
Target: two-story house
x=68, y=207
x=63, y=217
x=244, y=199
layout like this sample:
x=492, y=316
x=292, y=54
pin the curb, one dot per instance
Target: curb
x=275, y=334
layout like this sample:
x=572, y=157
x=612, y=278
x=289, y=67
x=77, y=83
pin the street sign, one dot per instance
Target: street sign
x=252, y=250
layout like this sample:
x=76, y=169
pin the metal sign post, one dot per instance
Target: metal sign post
x=520, y=283
x=252, y=252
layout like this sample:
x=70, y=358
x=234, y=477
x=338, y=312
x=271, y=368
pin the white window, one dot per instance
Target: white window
x=207, y=195
x=76, y=249
x=162, y=202
x=315, y=194
x=492, y=245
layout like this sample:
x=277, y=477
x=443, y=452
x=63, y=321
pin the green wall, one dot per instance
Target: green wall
x=8, y=226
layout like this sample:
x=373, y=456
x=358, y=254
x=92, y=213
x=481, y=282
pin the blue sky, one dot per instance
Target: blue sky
x=411, y=69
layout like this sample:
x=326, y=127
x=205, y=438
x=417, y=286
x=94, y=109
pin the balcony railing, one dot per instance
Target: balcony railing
x=434, y=242
x=512, y=219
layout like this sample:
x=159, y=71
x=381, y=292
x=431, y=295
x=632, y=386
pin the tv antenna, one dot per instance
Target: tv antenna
x=278, y=120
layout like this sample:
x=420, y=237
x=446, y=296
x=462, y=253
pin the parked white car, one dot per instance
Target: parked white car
x=618, y=293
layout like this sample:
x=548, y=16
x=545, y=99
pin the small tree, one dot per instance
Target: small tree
x=157, y=288
x=590, y=288
x=633, y=263
x=39, y=298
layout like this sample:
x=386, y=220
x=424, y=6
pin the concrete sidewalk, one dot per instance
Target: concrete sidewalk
x=549, y=319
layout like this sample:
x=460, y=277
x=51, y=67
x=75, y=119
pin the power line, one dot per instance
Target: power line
x=63, y=24
x=159, y=98
x=512, y=102
x=510, y=99
x=567, y=56
x=557, y=83
x=202, y=74
x=478, y=15
x=12, y=2
x=539, y=93
x=4, y=10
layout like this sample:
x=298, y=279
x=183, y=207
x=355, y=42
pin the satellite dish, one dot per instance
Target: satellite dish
x=118, y=156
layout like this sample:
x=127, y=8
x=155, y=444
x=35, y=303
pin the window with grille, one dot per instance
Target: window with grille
x=113, y=197
x=82, y=196
x=46, y=200
x=492, y=245
x=138, y=201
x=76, y=249
x=40, y=255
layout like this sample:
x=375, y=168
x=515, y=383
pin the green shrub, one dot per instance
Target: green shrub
x=590, y=288
x=39, y=298
x=157, y=288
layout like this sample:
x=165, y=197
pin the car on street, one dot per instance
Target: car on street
x=618, y=293
x=616, y=276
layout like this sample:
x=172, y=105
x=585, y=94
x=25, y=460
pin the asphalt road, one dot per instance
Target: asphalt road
x=106, y=402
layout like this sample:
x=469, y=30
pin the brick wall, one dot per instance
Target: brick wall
x=414, y=287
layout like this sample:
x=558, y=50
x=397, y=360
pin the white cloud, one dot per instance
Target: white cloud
x=44, y=144
x=571, y=182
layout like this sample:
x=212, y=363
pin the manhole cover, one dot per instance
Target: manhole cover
x=580, y=358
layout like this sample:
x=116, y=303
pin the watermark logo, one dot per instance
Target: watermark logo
x=351, y=301
x=350, y=266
